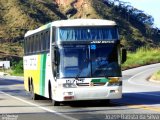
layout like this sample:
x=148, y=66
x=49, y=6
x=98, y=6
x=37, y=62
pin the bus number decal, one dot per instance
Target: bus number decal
x=75, y=81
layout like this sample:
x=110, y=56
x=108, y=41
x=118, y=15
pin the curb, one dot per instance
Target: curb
x=6, y=75
x=155, y=81
x=11, y=77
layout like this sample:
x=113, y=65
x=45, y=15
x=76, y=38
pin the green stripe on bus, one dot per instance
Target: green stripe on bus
x=42, y=74
x=101, y=80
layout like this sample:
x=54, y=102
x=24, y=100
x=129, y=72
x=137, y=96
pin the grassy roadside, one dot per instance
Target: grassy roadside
x=11, y=72
x=143, y=56
x=155, y=76
x=15, y=70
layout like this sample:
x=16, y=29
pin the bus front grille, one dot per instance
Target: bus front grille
x=91, y=84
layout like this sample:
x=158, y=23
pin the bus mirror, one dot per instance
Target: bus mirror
x=56, y=57
x=124, y=55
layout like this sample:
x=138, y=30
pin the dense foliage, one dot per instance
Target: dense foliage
x=17, y=67
x=138, y=19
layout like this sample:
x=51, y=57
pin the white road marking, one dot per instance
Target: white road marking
x=43, y=108
x=130, y=79
x=131, y=82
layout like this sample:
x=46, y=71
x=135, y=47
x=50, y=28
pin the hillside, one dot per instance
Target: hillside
x=19, y=16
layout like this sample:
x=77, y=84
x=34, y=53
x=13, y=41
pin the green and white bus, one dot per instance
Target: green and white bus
x=72, y=60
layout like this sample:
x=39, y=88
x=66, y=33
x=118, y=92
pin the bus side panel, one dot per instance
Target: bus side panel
x=32, y=72
x=27, y=68
x=38, y=69
x=26, y=86
x=49, y=75
x=42, y=73
x=36, y=75
x=45, y=74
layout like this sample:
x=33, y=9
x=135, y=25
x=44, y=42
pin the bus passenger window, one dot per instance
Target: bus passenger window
x=37, y=44
x=47, y=40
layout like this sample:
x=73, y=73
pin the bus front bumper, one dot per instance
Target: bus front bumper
x=88, y=93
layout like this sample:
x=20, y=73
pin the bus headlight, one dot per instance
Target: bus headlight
x=114, y=81
x=119, y=83
x=69, y=85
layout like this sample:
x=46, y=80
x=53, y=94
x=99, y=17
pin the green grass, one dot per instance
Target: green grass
x=143, y=56
x=17, y=74
x=156, y=76
x=11, y=72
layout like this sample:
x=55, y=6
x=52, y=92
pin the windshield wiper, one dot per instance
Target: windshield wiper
x=80, y=71
x=77, y=76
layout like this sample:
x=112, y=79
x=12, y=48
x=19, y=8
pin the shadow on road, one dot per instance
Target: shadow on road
x=140, y=98
x=93, y=103
x=10, y=82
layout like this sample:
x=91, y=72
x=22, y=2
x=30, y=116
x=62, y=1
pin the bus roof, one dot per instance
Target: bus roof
x=73, y=22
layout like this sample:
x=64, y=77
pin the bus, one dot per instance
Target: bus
x=74, y=60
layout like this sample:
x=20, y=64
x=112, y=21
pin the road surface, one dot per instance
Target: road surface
x=139, y=97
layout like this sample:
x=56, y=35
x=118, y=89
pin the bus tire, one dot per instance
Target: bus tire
x=105, y=102
x=33, y=95
x=55, y=103
x=50, y=90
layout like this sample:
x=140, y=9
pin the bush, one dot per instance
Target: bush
x=18, y=67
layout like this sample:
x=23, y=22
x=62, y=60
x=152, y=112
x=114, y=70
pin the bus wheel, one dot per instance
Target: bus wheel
x=33, y=95
x=55, y=103
x=105, y=102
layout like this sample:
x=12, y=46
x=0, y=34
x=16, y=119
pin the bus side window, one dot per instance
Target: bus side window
x=47, y=40
x=38, y=43
x=33, y=44
x=53, y=34
x=41, y=42
x=29, y=44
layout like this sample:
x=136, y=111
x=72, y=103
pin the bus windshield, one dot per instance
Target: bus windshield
x=104, y=61
x=73, y=61
x=87, y=33
x=88, y=61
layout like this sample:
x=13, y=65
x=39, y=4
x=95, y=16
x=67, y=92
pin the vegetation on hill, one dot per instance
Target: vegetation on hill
x=142, y=56
x=18, y=16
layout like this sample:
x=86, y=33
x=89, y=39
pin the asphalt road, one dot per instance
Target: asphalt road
x=140, y=97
